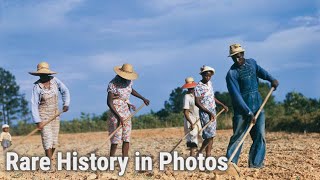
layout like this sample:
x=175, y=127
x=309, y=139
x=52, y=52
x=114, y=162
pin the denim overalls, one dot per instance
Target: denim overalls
x=243, y=86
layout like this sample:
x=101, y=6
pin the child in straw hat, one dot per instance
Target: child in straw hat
x=44, y=103
x=5, y=137
x=119, y=91
x=206, y=102
x=191, y=116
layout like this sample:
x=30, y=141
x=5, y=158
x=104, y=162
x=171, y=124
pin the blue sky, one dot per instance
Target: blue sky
x=165, y=40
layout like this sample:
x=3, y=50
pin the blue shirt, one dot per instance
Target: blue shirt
x=243, y=83
x=36, y=97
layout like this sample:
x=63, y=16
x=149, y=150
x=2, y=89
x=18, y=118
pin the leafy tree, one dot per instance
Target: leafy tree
x=12, y=104
x=300, y=107
x=105, y=115
x=264, y=89
x=225, y=98
x=174, y=104
x=25, y=112
x=296, y=103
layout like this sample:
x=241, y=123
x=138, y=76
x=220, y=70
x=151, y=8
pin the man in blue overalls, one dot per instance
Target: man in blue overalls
x=242, y=82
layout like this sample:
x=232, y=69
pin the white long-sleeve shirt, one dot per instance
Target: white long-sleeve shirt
x=36, y=97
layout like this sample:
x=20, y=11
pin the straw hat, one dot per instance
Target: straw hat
x=206, y=68
x=42, y=69
x=189, y=83
x=235, y=49
x=5, y=126
x=126, y=71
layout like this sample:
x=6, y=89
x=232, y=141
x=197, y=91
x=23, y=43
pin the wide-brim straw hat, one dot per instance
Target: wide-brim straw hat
x=42, y=69
x=5, y=126
x=206, y=68
x=235, y=49
x=126, y=71
x=189, y=83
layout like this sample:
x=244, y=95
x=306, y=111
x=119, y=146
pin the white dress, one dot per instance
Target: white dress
x=189, y=104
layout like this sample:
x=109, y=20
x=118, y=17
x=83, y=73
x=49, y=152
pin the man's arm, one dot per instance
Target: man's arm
x=234, y=91
x=263, y=74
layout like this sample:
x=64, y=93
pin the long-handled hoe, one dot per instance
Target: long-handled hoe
x=233, y=169
x=199, y=131
x=31, y=133
x=115, y=131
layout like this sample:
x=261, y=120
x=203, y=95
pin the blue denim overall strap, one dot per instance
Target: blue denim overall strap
x=249, y=86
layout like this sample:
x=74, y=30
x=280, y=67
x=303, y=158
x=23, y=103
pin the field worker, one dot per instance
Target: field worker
x=243, y=82
x=191, y=116
x=5, y=137
x=44, y=102
x=119, y=91
x=206, y=102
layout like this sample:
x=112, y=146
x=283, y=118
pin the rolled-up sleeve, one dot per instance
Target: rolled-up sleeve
x=64, y=92
x=35, y=99
x=234, y=91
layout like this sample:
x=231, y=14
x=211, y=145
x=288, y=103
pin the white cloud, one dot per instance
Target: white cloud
x=140, y=59
x=193, y=19
x=286, y=49
x=164, y=45
x=294, y=46
x=162, y=5
x=307, y=20
x=17, y=16
x=105, y=60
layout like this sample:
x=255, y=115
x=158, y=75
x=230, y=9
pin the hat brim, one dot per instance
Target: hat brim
x=212, y=70
x=189, y=85
x=39, y=73
x=236, y=52
x=125, y=75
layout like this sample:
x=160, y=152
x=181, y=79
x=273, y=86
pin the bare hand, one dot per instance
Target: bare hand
x=226, y=108
x=40, y=126
x=146, y=101
x=132, y=107
x=275, y=84
x=253, y=120
x=212, y=117
x=191, y=127
x=120, y=121
x=65, y=108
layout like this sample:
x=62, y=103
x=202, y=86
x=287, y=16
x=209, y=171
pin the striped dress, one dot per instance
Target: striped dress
x=48, y=107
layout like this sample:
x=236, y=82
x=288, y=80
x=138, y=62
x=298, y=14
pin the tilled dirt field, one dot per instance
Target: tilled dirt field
x=289, y=156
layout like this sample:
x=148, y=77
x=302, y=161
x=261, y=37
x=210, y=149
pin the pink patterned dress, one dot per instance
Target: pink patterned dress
x=122, y=90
